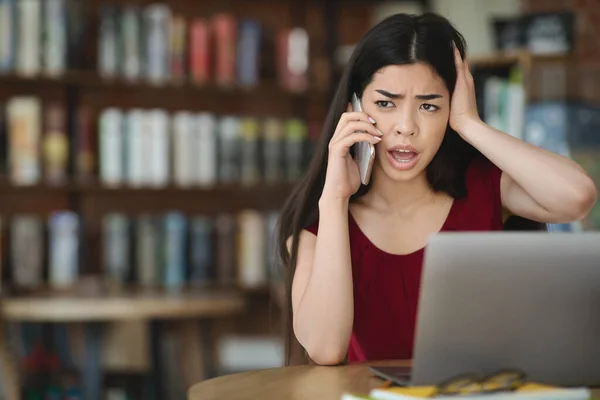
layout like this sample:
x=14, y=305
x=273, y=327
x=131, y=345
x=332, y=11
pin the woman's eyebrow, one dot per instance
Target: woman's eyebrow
x=399, y=96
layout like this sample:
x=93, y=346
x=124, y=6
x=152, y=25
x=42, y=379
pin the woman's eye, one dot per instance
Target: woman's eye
x=384, y=103
x=429, y=107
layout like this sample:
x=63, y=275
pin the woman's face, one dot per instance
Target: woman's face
x=411, y=107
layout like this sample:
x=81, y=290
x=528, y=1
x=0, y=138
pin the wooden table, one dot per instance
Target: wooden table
x=305, y=382
x=98, y=308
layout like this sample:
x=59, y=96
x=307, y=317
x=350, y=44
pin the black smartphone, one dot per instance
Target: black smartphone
x=397, y=375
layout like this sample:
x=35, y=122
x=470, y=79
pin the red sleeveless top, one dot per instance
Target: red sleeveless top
x=386, y=286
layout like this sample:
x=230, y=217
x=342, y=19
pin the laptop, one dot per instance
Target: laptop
x=519, y=300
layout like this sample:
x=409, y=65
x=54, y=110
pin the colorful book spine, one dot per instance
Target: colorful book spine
x=252, y=267
x=108, y=46
x=157, y=21
x=206, y=149
x=229, y=151
x=131, y=37
x=225, y=32
x=56, y=144
x=84, y=145
x=29, y=36
x=250, y=168
x=24, y=122
x=248, y=53
x=200, y=54
x=159, y=136
x=184, y=153
x=134, y=137
x=178, y=47
x=55, y=44
x=111, y=147
x=226, y=257
x=26, y=250
x=295, y=138
x=175, y=249
x=63, y=248
x=8, y=35
x=117, y=245
x=293, y=59
x=202, y=256
x=273, y=151
x=147, y=242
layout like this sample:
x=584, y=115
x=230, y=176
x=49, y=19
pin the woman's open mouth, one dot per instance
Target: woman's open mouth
x=403, y=157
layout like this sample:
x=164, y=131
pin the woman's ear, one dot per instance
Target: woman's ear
x=349, y=107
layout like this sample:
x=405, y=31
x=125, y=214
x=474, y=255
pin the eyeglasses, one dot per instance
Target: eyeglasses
x=501, y=381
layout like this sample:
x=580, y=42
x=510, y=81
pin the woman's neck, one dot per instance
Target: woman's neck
x=398, y=197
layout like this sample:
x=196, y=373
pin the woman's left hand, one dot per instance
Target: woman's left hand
x=463, y=107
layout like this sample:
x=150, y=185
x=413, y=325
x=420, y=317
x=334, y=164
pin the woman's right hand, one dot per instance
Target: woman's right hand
x=342, y=179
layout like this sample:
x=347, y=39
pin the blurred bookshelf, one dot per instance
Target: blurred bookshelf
x=145, y=150
x=544, y=100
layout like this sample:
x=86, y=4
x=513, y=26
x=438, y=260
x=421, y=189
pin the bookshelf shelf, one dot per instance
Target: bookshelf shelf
x=92, y=81
x=505, y=59
x=132, y=305
x=97, y=189
x=222, y=198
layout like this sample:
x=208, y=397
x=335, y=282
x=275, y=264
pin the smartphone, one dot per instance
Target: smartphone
x=399, y=376
x=364, y=152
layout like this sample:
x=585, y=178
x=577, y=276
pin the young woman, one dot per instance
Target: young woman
x=354, y=253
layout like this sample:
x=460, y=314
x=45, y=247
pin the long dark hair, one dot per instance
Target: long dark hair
x=397, y=40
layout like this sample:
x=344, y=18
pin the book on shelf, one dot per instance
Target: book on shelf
x=174, y=249
x=83, y=145
x=251, y=250
x=24, y=138
x=117, y=245
x=63, y=248
x=199, y=51
x=184, y=151
x=41, y=37
x=8, y=29
x=249, y=149
x=55, y=37
x=202, y=250
x=201, y=149
x=171, y=249
x=55, y=144
x=159, y=45
x=26, y=250
x=28, y=61
x=206, y=149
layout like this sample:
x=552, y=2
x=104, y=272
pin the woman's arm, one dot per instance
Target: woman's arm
x=322, y=295
x=535, y=184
